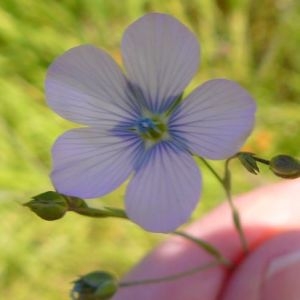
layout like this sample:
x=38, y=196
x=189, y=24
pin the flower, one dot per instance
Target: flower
x=137, y=125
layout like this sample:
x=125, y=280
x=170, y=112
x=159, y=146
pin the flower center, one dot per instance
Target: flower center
x=151, y=128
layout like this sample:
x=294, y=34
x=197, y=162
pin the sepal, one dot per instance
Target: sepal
x=248, y=161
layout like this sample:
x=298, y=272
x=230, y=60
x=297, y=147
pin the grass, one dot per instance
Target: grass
x=252, y=42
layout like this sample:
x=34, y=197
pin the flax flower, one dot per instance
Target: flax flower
x=138, y=127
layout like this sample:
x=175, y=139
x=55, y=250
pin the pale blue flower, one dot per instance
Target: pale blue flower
x=134, y=129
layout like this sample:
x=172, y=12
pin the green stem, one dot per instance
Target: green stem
x=235, y=214
x=218, y=177
x=171, y=277
x=79, y=206
x=261, y=160
x=106, y=212
x=226, y=184
x=210, y=249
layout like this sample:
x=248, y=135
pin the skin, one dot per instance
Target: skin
x=270, y=271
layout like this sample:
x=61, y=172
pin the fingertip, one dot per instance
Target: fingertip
x=271, y=272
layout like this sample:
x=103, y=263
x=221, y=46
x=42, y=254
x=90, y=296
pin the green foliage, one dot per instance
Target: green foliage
x=253, y=42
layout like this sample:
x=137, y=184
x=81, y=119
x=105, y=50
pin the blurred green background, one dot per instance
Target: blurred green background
x=254, y=42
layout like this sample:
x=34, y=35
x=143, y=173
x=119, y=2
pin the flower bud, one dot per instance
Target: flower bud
x=94, y=286
x=48, y=206
x=285, y=166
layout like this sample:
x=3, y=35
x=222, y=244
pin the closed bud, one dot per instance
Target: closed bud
x=94, y=286
x=48, y=206
x=285, y=166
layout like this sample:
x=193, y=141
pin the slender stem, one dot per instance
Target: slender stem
x=235, y=214
x=218, y=177
x=79, y=206
x=171, y=277
x=261, y=160
x=226, y=184
x=210, y=249
x=101, y=213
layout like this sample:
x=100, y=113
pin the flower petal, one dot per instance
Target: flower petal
x=161, y=56
x=86, y=86
x=215, y=119
x=88, y=163
x=165, y=190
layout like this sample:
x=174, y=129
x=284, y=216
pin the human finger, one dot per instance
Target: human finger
x=265, y=213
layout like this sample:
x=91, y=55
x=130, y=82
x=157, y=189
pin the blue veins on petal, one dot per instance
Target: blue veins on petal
x=86, y=86
x=88, y=162
x=165, y=189
x=161, y=55
x=215, y=119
